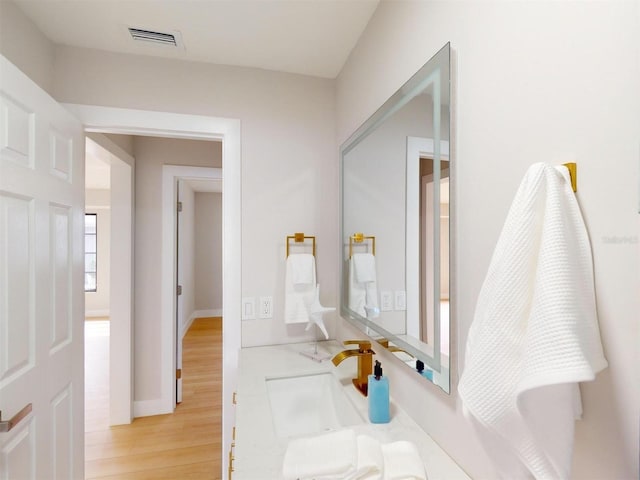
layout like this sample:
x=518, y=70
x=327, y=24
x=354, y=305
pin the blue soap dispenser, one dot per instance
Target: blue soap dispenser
x=425, y=373
x=378, y=394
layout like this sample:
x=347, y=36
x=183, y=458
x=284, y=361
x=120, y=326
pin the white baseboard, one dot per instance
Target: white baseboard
x=96, y=313
x=199, y=314
x=146, y=408
x=214, y=312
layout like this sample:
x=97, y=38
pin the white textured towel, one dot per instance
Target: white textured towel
x=370, y=464
x=402, y=462
x=363, y=295
x=342, y=455
x=535, y=332
x=300, y=287
x=329, y=456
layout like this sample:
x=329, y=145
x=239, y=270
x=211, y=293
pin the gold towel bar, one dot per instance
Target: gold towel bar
x=359, y=238
x=300, y=238
x=573, y=174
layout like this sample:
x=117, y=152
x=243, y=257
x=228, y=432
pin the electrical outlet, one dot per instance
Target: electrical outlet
x=386, y=301
x=401, y=299
x=248, y=308
x=266, y=307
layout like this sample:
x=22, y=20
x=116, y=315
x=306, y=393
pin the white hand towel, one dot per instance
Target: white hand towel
x=329, y=456
x=535, y=332
x=363, y=296
x=402, y=462
x=299, y=293
x=365, y=266
x=357, y=291
x=303, y=268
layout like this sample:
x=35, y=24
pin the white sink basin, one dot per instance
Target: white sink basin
x=309, y=404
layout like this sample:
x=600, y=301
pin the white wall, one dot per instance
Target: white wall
x=97, y=303
x=536, y=81
x=151, y=153
x=289, y=172
x=25, y=45
x=125, y=142
x=208, y=251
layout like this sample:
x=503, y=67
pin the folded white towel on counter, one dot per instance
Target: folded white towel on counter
x=300, y=287
x=402, y=462
x=370, y=464
x=329, y=456
x=345, y=456
x=535, y=332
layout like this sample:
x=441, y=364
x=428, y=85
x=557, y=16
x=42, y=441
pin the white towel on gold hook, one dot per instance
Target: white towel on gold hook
x=300, y=287
x=535, y=332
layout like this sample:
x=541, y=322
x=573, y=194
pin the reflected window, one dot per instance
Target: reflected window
x=90, y=252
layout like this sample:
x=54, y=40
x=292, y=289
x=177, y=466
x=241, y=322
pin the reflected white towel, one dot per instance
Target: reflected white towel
x=363, y=296
x=535, y=332
x=329, y=456
x=365, y=267
x=299, y=293
x=402, y=462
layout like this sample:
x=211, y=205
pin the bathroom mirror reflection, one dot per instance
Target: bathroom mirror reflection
x=395, y=217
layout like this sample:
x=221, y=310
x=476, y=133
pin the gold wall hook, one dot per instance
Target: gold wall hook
x=573, y=174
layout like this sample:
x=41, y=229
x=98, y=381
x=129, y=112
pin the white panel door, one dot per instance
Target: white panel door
x=41, y=283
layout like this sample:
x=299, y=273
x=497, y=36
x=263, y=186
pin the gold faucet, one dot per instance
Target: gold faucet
x=365, y=362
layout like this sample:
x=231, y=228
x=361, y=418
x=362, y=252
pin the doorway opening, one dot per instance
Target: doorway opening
x=198, y=246
x=153, y=123
x=108, y=283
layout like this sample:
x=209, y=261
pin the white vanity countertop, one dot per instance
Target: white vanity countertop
x=258, y=452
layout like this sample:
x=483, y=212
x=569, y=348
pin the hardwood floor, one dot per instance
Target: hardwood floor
x=183, y=445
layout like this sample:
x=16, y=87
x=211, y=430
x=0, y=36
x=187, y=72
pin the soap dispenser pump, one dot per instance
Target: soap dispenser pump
x=378, y=396
x=425, y=373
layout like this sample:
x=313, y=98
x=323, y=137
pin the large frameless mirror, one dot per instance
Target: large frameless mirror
x=395, y=217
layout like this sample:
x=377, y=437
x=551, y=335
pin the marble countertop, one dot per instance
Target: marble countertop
x=258, y=451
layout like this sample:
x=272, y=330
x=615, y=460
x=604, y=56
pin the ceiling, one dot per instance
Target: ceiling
x=309, y=37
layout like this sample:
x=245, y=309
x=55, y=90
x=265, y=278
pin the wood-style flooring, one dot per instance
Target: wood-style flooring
x=184, y=445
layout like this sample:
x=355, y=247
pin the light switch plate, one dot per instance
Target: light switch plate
x=401, y=300
x=248, y=308
x=386, y=301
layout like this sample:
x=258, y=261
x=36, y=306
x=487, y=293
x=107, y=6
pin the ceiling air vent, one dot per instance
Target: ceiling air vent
x=159, y=38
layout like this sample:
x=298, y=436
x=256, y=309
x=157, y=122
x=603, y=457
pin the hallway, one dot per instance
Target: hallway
x=186, y=444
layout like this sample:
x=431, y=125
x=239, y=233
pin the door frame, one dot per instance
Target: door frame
x=196, y=127
x=171, y=174
x=121, y=282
